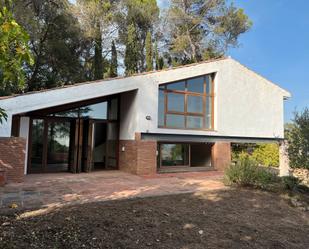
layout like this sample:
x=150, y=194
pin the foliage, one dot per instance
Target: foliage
x=267, y=154
x=159, y=61
x=3, y=115
x=298, y=140
x=149, y=53
x=14, y=53
x=56, y=41
x=246, y=172
x=114, y=63
x=132, y=53
x=97, y=22
x=204, y=29
x=290, y=182
x=143, y=14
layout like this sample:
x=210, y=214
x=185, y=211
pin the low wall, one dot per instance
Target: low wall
x=138, y=157
x=12, y=158
x=221, y=155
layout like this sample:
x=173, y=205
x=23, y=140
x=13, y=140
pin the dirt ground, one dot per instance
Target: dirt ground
x=230, y=218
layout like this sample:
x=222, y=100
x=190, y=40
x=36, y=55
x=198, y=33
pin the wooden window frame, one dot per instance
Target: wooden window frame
x=204, y=95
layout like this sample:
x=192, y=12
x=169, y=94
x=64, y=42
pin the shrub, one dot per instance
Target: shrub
x=246, y=172
x=267, y=154
x=298, y=140
x=290, y=182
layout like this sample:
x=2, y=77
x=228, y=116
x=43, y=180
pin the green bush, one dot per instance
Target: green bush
x=297, y=134
x=246, y=172
x=290, y=182
x=267, y=154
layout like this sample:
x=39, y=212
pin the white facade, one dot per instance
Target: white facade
x=246, y=104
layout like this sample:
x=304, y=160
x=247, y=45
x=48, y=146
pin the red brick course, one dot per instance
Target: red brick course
x=138, y=157
x=12, y=158
x=221, y=155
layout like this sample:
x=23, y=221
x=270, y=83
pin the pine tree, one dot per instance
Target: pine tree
x=156, y=56
x=98, y=60
x=132, y=53
x=114, y=63
x=149, y=53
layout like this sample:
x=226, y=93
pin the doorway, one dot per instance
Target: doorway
x=50, y=145
x=79, y=137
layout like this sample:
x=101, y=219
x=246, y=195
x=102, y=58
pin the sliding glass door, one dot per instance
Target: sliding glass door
x=50, y=145
x=58, y=146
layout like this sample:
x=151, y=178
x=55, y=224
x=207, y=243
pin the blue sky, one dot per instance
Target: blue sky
x=277, y=46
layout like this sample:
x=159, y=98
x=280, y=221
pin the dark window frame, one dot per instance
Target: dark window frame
x=186, y=93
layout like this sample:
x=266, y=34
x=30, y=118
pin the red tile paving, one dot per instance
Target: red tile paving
x=53, y=190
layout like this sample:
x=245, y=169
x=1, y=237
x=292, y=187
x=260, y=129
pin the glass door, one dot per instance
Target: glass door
x=50, y=145
x=174, y=155
x=58, y=146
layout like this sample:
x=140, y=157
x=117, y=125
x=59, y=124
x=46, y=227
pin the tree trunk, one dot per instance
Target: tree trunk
x=98, y=61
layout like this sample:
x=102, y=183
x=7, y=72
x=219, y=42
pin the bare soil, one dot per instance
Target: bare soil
x=231, y=218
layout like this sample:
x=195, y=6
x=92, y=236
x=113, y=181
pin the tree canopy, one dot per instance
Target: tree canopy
x=94, y=39
x=297, y=135
x=14, y=53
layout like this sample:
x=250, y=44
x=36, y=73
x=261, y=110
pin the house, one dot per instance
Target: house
x=177, y=119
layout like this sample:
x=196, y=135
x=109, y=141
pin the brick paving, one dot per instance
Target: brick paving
x=54, y=190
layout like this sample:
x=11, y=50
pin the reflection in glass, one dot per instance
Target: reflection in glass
x=95, y=111
x=161, y=108
x=37, y=144
x=174, y=154
x=195, y=104
x=176, y=102
x=196, y=85
x=113, y=111
x=112, y=131
x=208, y=115
x=208, y=84
x=175, y=121
x=180, y=86
x=73, y=113
x=58, y=144
x=194, y=122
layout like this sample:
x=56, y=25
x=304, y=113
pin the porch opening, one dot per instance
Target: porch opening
x=79, y=137
x=173, y=157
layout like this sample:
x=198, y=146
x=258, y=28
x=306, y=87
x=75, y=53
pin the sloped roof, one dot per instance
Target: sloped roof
x=285, y=93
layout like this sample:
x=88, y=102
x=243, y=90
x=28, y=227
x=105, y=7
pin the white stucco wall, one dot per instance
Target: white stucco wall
x=246, y=105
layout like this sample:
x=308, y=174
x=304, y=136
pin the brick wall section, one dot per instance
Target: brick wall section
x=12, y=158
x=146, y=157
x=128, y=158
x=139, y=157
x=221, y=155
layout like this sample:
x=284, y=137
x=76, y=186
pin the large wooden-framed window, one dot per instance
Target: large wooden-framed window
x=187, y=104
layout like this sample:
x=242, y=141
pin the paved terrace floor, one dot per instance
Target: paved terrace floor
x=54, y=190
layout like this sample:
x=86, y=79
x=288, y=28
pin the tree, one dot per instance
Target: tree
x=143, y=14
x=14, y=53
x=114, y=63
x=149, y=53
x=203, y=29
x=157, y=56
x=298, y=140
x=96, y=18
x=56, y=42
x=132, y=51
